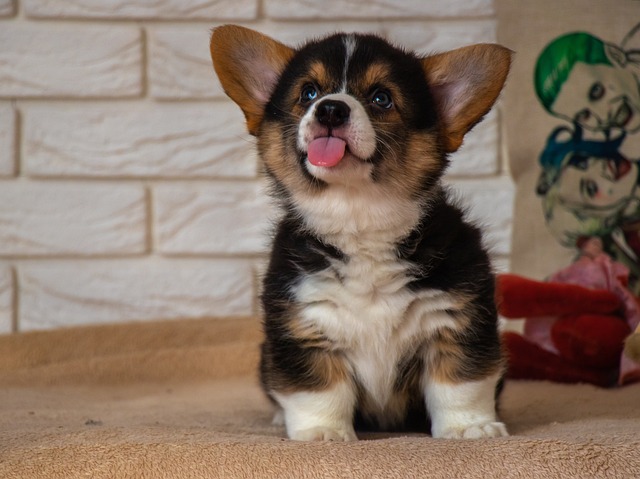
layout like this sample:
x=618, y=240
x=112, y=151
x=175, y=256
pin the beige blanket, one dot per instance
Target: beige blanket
x=180, y=400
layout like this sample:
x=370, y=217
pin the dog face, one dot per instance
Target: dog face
x=354, y=111
x=360, y=113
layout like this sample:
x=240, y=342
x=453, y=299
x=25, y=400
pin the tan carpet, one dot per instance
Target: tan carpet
x=180, y=400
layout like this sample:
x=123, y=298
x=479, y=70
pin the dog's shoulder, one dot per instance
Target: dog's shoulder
x=447, y=246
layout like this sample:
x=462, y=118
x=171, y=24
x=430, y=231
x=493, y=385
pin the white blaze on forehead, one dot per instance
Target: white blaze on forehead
x=350, y=47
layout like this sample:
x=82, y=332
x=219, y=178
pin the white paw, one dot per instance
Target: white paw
x=324, y=434
x=474, y=431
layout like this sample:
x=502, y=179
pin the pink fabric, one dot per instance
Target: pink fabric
x=597, y=271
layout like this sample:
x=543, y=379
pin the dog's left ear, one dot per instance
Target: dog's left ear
x=248, y=65
x=465, y=83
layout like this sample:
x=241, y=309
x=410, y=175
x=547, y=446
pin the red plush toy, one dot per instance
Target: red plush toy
x=576, y=323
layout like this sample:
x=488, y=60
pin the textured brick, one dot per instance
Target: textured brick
x=296, y=33
x=7, y=8
x=430, y=37
x=479, y=154
x=62, y=219
x=180, y=63
x=489, y=203
x=88, y=241
x=211, y=218
x=83, y=61
x=158, y=9
x=424, y=37
x=7, y=140
x=138, y=140
x=71, y=293
x=376, y=8
x=6, y=299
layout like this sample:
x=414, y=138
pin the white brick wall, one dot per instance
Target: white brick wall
x=60, y=293
x=7, y=8
x=146, y=9
x=72, y=218
x=128, y=186
x=7, y=292
x=70, y=61
x=7, y=139
x=137, y=139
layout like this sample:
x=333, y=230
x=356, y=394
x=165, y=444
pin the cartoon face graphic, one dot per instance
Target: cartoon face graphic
x=588, y=187
x=598, y=187
x=579, y=78
x=599, y=97
x=591, y=161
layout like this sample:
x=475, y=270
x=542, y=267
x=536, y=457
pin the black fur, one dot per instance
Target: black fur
x=406, y=72
x=446, y=253
x=443, y=250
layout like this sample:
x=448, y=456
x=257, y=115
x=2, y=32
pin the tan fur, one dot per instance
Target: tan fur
x=232, y=48
x=379, y=346
x=326, y=368
x=422, y=159
x=331, y=367
x=446, y=361
x=444, y=69
x=402, y=176
x=272, y=153
x=306, y=333
x=318, y=74
x=379, y=74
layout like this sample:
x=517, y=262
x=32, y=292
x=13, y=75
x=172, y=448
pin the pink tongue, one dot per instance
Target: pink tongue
x=326, y=151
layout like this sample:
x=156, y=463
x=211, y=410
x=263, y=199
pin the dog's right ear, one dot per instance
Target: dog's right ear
x=248, y=65
x=465, y=83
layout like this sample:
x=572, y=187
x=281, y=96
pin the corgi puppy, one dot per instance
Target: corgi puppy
x=379, y=297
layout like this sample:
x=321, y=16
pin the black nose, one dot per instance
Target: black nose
x=332, y=113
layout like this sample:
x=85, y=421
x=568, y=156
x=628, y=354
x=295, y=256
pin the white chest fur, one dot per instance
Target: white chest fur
x=364, y=307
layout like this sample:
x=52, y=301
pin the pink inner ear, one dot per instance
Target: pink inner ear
x=264, y=79
x=451, y=97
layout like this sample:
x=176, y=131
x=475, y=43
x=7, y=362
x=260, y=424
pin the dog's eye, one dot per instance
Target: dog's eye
x=308, y=94
x=382, y=99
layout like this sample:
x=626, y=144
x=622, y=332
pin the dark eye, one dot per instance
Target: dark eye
x=583, y=115
x=589, y=187
x=308, y=94
x=597, y=91
x=579, y=161
x=382, y=99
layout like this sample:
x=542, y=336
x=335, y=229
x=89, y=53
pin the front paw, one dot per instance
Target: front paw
x=321, y=433
x=479, y=430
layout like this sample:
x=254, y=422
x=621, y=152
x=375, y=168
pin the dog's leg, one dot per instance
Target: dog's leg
x=465, y=410
x=462, y=371
x=325, y=415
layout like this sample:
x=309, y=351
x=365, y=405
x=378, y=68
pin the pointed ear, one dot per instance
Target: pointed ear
x=616, y=55
x=248, y=65
x=465, y=83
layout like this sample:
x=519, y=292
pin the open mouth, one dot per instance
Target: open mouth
x=619, y=169
x=584, y=209
x=623, y=115
x=326, y=151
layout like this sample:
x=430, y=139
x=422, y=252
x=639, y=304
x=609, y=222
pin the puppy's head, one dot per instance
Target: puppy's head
x=354, y=111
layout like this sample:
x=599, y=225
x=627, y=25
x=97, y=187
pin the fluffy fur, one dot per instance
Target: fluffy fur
x=378, y=300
